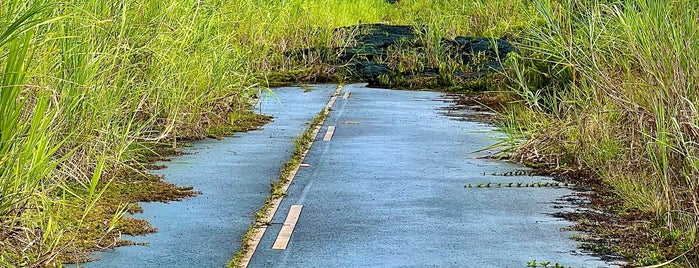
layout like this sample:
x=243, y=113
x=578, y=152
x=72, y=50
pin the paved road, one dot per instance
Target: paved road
x=388, y=191
x=234, y=176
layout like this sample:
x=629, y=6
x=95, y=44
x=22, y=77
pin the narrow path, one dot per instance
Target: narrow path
x=386, y=189
x=234, y=175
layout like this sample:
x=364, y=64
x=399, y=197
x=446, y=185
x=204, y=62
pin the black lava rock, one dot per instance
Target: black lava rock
x=374, y=49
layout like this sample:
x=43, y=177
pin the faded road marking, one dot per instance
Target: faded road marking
x=329, y=134
x=288, y=228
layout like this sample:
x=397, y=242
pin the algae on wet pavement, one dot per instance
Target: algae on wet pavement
x=234, y=177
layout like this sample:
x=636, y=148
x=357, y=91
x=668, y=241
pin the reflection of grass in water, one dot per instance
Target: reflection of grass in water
x=306, y=88
x=518, y=184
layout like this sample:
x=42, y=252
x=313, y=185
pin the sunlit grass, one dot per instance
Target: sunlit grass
x=611, y=88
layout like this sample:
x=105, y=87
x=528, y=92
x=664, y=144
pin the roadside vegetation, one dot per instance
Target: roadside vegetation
x=608, y=89
x=91, y=91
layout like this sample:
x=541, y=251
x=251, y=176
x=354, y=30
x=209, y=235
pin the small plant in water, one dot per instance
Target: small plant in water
x=306, y=88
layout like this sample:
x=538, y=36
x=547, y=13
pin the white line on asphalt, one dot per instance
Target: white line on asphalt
x=258, y=229
x=347, y=94
x=331, y=102
x=329, y=134
x=288, y=227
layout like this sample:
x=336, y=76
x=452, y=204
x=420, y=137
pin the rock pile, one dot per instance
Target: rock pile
x=402, y=56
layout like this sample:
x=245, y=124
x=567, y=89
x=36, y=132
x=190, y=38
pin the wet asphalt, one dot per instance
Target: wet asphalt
x=388, y=191
x=234, y=177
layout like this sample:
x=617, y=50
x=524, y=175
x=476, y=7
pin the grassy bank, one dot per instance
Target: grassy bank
x=610, y=89
x=88, y=90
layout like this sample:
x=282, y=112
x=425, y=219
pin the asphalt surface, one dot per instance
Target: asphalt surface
x=234, y=175
x=388, y=191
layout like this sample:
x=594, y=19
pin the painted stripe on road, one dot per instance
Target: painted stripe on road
x=288, y=228
x=331, y=102
x=258, y=228
x=346, y=96
x=329, y=134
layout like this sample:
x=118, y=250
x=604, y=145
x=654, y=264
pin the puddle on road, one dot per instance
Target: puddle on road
x=466, y=108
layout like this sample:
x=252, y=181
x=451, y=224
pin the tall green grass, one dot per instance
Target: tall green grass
x=29, y=235
x=88, y=87
x=611, y=87
x=467, y=18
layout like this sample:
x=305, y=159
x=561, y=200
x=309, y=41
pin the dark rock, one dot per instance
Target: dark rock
x=371, y=69
x=373, y=40
x=390, y=55
x=383, y=36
